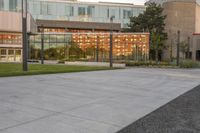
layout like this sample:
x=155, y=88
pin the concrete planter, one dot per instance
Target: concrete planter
x=79, y=63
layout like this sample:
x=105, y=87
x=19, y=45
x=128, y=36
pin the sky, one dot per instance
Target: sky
x=136, y=2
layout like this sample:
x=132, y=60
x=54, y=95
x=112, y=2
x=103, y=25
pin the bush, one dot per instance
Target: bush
x=61, y=62
x=72, y=60
x=189, y=64
x=146, y=63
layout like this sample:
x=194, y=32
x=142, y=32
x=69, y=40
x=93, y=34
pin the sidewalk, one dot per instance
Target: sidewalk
x=88, y=102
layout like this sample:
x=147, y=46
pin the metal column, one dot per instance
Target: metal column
x=24, y=35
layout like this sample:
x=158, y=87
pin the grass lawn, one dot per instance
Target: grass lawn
x=14, y=69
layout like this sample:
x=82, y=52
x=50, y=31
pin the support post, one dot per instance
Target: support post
x=188, y=48
x=111, y=49
x=156, y=50
x=178, y=49
x=42, y=44
x=97, y=49
x=171, y=51
x=24, y=35
x=111, y=42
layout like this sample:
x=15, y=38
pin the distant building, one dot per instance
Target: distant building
x=57, y=17
x=163, y=1
x=156, y=1
x=183, y=15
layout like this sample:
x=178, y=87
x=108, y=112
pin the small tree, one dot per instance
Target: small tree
x=151, y=20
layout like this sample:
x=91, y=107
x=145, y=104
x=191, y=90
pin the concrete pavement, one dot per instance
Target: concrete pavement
x=88, y=102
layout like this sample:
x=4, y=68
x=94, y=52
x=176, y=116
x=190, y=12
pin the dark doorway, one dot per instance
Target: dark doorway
x=198, y=55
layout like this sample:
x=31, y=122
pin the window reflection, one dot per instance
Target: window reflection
x=84, y=46
x=10, y=39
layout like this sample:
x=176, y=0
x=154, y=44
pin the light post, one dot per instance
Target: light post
x=24, y=35
x=42, y=44
x=188, y=48
x=178, y=48
x=97, y=49
x=171, y=51
x=156, y=41
x=111, y=43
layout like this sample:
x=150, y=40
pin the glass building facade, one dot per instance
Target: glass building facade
x=76, y=11
x=91, y=46
x=63, y=41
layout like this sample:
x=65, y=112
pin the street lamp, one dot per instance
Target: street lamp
x=188, y=49
x=24, y=35
x=97, y=49
x=156, y=40
x=111, y=43
x=42, y=44
x=178, y=48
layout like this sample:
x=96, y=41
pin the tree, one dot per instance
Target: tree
x=152, y=21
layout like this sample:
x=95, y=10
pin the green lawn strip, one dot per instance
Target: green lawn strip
x=13, y=69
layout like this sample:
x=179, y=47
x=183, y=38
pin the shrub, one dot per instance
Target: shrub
x=61, y=62
x=146, y=63
x=72, y=60
x=189, y=64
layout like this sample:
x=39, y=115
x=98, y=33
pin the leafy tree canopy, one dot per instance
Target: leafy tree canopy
x=152, y=21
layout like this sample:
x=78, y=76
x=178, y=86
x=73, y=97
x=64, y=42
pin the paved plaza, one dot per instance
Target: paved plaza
x=88, y=102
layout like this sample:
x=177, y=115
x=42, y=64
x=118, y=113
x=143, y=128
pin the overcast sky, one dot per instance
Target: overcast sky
x=136, y=2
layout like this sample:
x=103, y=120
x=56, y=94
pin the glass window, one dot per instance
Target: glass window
x=35, y=8
x=43, y=8
x=1, y=39
x=108, y=13
x=3, y=51
x=81, y=11
x=53, y=38
x=68, y=38
x=17, y=52
x=38, y=45
x=46, y=46
x=10, y=52
x=60, y=45
x=90, y=10
x=50, y=8
x=69, y=10
x=127, y=14
x=112, y=12
x=12, y=5
x=46, y=38
x=37, y=38
x=60, y=38
x=1, y=4
x=52, y=45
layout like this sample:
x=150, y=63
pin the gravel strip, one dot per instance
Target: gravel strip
x=182, y=115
